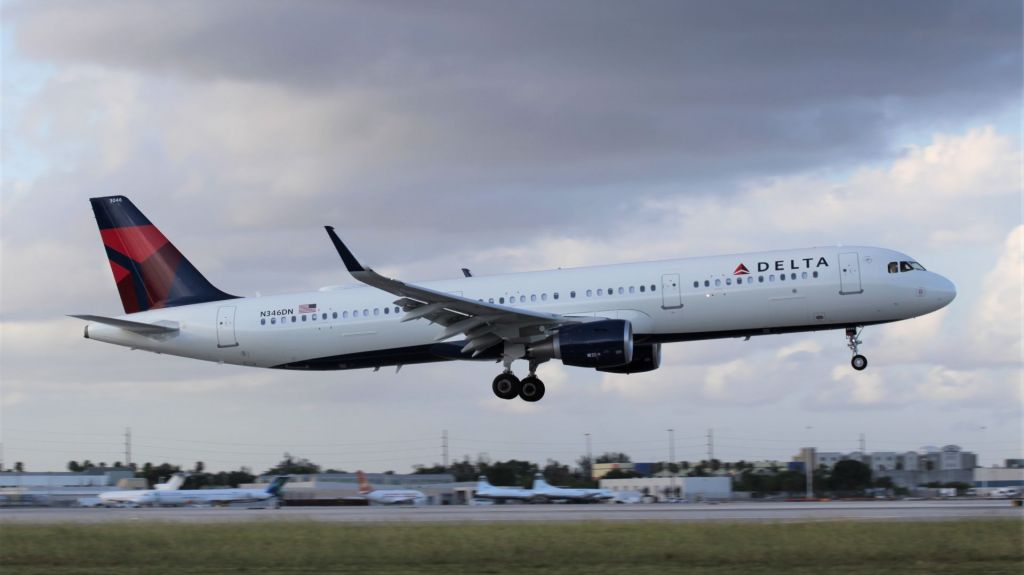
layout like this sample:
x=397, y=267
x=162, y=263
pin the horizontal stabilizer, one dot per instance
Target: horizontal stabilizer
x=132, y=326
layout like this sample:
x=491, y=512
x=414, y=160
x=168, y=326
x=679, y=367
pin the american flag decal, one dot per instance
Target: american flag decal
x=307, y=308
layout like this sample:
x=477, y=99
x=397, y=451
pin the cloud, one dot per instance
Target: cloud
x=997, y=322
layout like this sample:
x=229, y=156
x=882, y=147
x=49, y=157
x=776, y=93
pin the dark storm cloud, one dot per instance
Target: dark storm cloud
x=571, y=103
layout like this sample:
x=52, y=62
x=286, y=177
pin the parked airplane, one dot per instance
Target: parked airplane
x=389, y=496
x=543, y=490
x=156, y=497
x=487, y=492
x=611, y=318
x=175, y=482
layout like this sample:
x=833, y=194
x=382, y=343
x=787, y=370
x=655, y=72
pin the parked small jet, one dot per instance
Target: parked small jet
x=179, y=497
x=389, y=496
x=543, y=490
x=487, y=492
x=611, y=318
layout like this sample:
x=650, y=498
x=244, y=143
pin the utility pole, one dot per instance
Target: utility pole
x=672, y=459
x=128, y=446
x=809, y=470
x=444, y=447
x=590, y=459
x=711, y=445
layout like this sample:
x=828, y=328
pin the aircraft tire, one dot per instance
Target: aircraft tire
x=859, y=362
x=506, y=386
x=531, y=389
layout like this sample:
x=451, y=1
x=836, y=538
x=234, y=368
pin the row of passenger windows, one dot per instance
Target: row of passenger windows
x=366, y=312
x=897, y=267
x=770, y=278
x=572, y=294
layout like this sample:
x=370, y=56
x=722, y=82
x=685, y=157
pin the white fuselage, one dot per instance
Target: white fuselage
x=395, y=497
x=153, y=497
x=672, y=300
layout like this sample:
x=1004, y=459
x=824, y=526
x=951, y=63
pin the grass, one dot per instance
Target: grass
x=987, y=546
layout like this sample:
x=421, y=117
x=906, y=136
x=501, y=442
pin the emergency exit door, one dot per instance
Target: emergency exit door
x=671, y=296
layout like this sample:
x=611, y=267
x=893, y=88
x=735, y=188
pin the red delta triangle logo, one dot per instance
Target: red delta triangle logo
x=741, y=270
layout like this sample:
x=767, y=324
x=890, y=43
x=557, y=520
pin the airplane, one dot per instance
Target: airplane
x=221, y=497
x=389, y=496
x=611, y=318
x=175, y=482
x=543, y=490
x=487, y=492
x=130, y=497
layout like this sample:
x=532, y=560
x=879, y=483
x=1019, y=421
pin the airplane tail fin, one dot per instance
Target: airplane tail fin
x=278, y=484
x=481, y=482
x=149, y=271
x=364, y=485
x=539, y=481
x=173, y=484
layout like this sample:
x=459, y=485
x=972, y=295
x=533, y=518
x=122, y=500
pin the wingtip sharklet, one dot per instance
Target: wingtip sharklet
x=350, y=261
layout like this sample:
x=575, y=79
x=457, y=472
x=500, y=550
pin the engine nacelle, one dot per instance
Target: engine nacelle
x=599, y=344
x=645, y=358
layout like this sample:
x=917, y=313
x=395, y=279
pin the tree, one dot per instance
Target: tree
x=621, y=474
x=850, y=475
x=292, y=466
x=612, y=457
x=199, y=467
x=74, y=466
x=19, y=466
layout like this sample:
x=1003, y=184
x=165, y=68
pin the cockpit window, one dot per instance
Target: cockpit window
x=917, y=266
x=894, y=267
x=909, y=266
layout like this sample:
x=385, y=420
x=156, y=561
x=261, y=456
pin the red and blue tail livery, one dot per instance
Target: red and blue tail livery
x=149, y=271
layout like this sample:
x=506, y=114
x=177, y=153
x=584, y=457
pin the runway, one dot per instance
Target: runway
x=738, y=512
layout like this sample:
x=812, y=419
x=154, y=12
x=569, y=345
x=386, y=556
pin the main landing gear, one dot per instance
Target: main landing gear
x=859, y=362
x=508, y=386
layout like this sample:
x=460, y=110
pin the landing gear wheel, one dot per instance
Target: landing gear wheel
x=859, y=362
x=532, y=389
x=506, y=386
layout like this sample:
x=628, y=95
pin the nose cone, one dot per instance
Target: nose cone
x=944, y=291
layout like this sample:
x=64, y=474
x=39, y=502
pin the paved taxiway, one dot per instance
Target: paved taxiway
x=772, y=511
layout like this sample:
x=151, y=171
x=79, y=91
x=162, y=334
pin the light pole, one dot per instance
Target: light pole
x=808, y=467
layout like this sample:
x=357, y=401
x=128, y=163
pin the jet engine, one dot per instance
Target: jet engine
x=646, y=357
x=599, y=344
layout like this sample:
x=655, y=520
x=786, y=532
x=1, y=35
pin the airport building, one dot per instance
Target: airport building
x=60, y=488
x=997, y=477
x=948, y=464
x=662, y=488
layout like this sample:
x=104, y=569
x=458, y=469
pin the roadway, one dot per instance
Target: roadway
x=683, y=512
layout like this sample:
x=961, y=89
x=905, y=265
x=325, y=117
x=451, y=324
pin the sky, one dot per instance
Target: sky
x=510, y=136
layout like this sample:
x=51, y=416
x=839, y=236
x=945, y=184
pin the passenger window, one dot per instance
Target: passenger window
x=718, y=283
x=490, y=300
x=707, y=283
x=792, y=276
x=814, y=274
x=303, y=317
x=782, y=277
x=771, y=278
x=696, y=284
x=643, y=288
x=543, y=297
x=294, y=319
x=621, y=291
x=501, y=300
x=803, y=275
x=905, y=267
x=522, y=299
x=611, y=291
x=366, y=313
x=600, y=291
x=728, y=281
x=344, y=315
x=273, y=320
x=894, y=267
x=760, y=279
x=376, y=311
x=263, y=321
x=555, y=295
x=632, y=289
x=572, y=295
x=533, y=297
x=652, y=287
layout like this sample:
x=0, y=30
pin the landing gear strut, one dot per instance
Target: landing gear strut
x=859, y=362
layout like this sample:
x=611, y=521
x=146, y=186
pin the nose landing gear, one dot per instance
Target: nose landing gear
x=859, y=362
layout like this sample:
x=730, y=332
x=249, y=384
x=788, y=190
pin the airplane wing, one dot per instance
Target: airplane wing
x=483, y=324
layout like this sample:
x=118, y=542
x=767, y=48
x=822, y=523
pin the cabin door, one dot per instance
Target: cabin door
x=226, y=326
x=671, y=297
x=849, y=273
